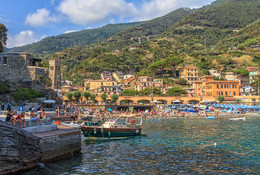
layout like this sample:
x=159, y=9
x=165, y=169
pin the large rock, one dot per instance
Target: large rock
x=18, y=149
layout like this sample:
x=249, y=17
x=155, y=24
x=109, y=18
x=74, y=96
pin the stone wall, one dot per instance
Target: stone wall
x=58, y=146
x=18, y=149
x=35, y=72
x=13, y=68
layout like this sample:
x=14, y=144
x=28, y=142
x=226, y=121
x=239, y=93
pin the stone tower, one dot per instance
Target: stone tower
x=55, y=73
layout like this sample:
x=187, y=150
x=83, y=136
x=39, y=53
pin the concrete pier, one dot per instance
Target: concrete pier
x=64, y=141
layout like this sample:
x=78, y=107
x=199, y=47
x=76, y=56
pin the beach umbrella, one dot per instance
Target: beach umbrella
x=109, y=109
x=167, y=111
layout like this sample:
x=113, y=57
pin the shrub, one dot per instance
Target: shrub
x=4, y=88
x=26, y=94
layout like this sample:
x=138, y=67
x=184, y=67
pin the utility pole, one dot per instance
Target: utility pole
x=205, y=42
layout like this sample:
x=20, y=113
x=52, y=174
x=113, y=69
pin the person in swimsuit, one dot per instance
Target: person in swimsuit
x=21, y=119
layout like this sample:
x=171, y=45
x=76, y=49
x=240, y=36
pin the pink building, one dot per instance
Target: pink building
x=190, y=92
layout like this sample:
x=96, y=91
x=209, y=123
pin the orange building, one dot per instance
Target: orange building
x=209, y=87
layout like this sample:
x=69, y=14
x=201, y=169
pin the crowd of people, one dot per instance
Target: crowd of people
x=36, y=114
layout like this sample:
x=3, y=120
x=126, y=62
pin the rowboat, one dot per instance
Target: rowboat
x=238, y=118
x=119, y=127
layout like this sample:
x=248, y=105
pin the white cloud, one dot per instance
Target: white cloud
x=23, y=38
x=85, y=12
x=40, y=18
x=93, y=11
x=69, y=31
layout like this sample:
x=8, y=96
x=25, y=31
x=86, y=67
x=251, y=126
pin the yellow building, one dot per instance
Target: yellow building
x=99, y=87
x=190, y=73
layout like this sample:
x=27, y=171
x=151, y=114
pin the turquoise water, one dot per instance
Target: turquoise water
x=177, y=146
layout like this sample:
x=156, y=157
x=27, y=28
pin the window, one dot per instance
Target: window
x=102, y=83
x=230, y=93
x=230, y=86
x=226, y=93
x=222, y=86
x=217, y=86
x=221, y=93
x=5, y=60
x=234, y=93
x=217, y=92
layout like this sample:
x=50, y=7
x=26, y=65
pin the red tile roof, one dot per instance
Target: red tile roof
x=190, y=67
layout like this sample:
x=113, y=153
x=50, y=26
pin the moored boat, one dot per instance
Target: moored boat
x=119, y=127
x=238, y=118
x=211, y=118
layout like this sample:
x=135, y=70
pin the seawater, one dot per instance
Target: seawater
x=173, y=146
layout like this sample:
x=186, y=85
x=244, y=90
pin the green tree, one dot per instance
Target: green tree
x=129, y=92
x=4, y=88
x=181, y=81
x=86, y=95
x=173, y=61
x=176, y=91
x=93, y=97
x=69, y=95
x=114, y=98
x=221, y=99
x=253, y=99
x=104, y=97
x=77, y=95
x=26, y=94
x=242, y=72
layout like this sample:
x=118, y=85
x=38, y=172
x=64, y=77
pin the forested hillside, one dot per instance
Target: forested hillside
x=81, y=38
x=219, y=36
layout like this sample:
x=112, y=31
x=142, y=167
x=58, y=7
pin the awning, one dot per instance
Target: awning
x=49, y=101
x=230, y=99
x=176, y=101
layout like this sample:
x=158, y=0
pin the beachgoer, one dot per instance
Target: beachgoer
x=132, y=121
x=58, y=111
x=38, y=108
x=33, y=118
x=8, y=106
x=21, y=119
x=9, y=116
x=73, y=117
x=2, y=107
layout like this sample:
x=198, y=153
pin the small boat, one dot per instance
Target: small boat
x=238, y=118
x=119, y=127
x=211, y=117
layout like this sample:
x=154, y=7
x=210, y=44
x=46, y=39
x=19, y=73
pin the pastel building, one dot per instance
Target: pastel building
x=209, y=87
x=253, y=72
x=99, y=87
x=189, y=73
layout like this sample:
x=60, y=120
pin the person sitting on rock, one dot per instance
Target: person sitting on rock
x=21, y=119
x=9, y=116
x=33, y=118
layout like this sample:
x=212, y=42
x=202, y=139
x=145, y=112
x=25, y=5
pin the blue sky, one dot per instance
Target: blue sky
x=29, y=21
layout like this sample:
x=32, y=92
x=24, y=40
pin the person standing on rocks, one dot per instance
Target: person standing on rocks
x=8, y=106
x=2, y=106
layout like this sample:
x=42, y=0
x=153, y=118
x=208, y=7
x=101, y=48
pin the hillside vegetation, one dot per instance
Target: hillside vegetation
x=84, y=37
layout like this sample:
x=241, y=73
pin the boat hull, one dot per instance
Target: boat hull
x=110, y=132
x=238, y=119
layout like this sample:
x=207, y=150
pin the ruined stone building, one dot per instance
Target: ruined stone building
x=20, y=67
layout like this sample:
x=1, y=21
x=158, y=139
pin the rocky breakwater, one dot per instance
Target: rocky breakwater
x=18, y=149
